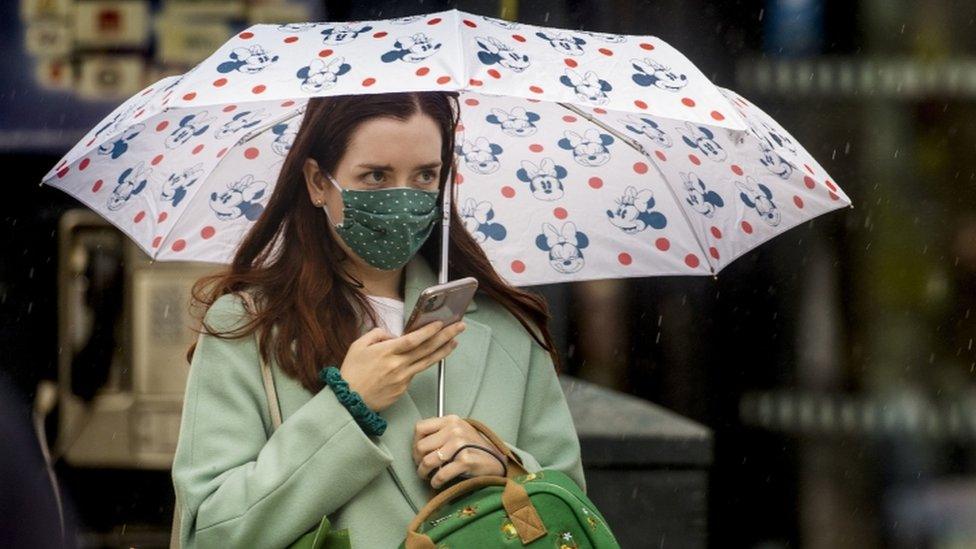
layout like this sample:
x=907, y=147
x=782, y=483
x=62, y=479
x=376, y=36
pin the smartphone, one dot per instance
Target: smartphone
x=445, y=302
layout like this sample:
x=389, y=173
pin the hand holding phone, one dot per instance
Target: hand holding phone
x=445, y=302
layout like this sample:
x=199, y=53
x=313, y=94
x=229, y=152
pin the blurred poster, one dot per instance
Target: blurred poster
x=69, y=63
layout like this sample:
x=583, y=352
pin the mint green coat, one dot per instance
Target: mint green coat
x=239, y=488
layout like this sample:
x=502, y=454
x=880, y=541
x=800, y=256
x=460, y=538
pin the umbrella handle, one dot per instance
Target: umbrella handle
x=442, y=278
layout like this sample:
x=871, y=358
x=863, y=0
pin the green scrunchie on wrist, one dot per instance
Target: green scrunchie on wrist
x=368, y=420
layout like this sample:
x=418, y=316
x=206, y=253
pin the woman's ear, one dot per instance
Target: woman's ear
x=314, y=181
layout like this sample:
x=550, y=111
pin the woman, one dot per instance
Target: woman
x=331, y=293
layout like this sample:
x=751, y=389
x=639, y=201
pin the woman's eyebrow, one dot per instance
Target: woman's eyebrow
x=388, y=168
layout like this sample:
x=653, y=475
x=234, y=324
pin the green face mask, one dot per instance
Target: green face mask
x=386, y=227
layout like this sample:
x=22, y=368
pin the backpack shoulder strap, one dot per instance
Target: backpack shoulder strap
x=269, y=385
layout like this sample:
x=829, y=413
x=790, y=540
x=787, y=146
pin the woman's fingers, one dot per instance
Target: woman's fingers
x=425, y=361
x=446, y=473
x=435, y=342
x=408, y=342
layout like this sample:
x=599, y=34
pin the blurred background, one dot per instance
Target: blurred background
x=834, y=366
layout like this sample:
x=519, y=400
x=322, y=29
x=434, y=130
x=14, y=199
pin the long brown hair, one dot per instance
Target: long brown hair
x=290, y=257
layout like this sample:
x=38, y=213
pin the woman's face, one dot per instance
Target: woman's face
x=383, y=153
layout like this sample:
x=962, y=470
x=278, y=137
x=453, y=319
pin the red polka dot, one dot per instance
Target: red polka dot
x=833, y=195
x=560, y=213
x=571, y=63
x=662, y=244
x=535, y=89
x=84, y=164
x=692, y=260
x=157, y=160
x=471, y=102
x=713, y=251
x=694, y=160
x=221, y=152
x=459, y=178
x=808, y=168
x=422, y=71
x=809, y=182
x=508, y=192
x=470, y=23
x=475, y=82
x=325, y=53
x=156, y=241
x=229, y=108
x=646, y=46
x=518, y=266
x=599, y=110
x=246, y=35
x=718, y=116
x=606, y=51
x=595, y=182
x=197, y=149
x=493, y=73
x=162, y=217
x=460, y=127
x=640, y=104
x=434, y=21
x=369, y=81
x=207, y=232
x=624, y=258
x=259, y=89
x=688, y=102
x=640, y=167
x=535, y=147
x=251, y=153
x=443, y=79
x=830, y=185
x=661, y=156
x=798, y=201
x=219, y=82
x=380, y=34
x=291, y=40
x=96, y=186
x=179, y=245
x=569, y=118
x=288, y=103
x=518, y=38
x=189, y=96
x=162, y=126
x=736, y=169
x=746, y=227
x=139, y=217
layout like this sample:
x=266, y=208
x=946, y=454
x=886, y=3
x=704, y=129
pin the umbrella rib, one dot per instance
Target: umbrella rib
x=640, y=148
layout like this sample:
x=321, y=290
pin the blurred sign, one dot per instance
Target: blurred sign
x=69, y=63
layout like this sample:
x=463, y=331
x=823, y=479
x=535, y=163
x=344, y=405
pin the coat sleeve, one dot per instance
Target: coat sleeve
x=236, y=486
x=547, y=437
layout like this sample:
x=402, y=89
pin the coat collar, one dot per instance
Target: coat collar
x=463, y=372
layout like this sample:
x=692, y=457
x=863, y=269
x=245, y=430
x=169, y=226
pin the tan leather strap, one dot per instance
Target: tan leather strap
x=515, y=465
x=266, y=376
x=515, y=499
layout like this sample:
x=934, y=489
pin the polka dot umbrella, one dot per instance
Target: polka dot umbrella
x=581, y=155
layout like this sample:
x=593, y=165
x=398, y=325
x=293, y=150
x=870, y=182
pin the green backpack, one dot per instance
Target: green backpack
x=542, y=509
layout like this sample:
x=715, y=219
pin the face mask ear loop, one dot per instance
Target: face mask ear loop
x=325, y=207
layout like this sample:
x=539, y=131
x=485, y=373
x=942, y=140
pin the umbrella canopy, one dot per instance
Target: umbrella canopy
x=581, y=155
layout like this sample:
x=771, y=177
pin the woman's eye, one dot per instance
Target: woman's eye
x=429, y=176
x=369, y=179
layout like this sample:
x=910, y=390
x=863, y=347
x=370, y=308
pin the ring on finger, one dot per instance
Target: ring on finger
x=439, y=455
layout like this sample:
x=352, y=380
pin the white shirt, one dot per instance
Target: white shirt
x=390, y=313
